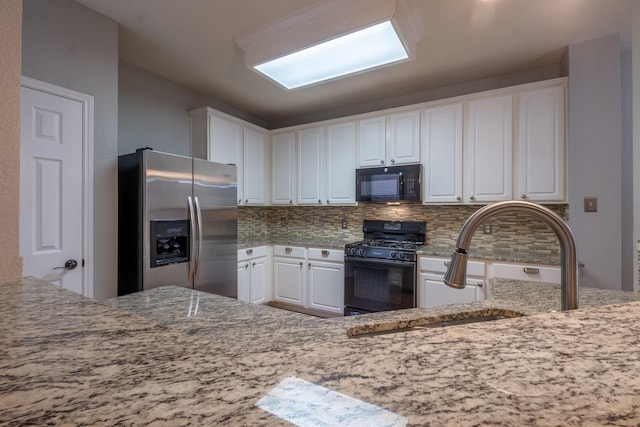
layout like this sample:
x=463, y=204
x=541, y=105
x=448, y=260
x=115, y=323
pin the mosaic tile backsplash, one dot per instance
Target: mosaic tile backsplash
x=518, y=233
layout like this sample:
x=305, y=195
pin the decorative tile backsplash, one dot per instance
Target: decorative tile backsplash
x=510, y=232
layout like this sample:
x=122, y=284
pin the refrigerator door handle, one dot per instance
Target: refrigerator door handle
x=199, y=221
x=192, y=224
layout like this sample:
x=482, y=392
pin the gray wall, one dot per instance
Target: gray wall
x=153, y=113
x=67, y=44
x=595, y=158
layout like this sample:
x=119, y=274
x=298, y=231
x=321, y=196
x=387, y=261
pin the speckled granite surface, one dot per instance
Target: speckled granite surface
x=178, y=357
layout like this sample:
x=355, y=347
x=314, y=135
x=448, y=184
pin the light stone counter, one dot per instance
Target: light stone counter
x=172, y=356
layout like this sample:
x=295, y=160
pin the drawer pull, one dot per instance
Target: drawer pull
x=446, y=263
x=325, y=252
x=288, y=250
x=249, y=251
x=481, y=284
x=531, y=270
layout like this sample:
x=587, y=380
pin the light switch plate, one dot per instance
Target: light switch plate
x=591, y=204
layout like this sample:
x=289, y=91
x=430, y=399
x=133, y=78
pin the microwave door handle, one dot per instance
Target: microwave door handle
x=401, y=181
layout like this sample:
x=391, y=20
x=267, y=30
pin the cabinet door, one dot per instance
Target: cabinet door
x=244, y=281
x=311, y=166
x=433, y=292
x=225, y=140
x=341, y=163
x=259, y=282
x=489, y=150
x=442, y=154
x=288, y=280
x=282, y=172
x=403, y=142
x=326, y=286
x=372, y=141
x=254, y=167
x=541, y=145
x=225, y=146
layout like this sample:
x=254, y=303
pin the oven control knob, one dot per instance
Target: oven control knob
x=393, y=255
x=360, y=252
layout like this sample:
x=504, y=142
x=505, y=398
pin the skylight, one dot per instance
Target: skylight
x=371, y=47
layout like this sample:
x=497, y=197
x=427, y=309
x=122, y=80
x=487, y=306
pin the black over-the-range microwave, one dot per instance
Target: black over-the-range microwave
x=389, y=184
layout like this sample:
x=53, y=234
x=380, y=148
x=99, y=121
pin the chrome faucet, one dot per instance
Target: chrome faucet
x=457, y=271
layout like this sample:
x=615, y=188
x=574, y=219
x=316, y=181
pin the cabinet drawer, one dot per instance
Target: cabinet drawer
x=326, y=254
x=250, y=253
x=439, y=265
x=528, y=272
x=290, y=251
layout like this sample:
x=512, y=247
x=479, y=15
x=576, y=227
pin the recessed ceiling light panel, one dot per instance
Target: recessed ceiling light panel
x=365, y=49
x=332, y=39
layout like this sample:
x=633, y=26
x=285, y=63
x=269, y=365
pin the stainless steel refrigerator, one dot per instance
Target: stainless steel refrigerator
x=177, y=223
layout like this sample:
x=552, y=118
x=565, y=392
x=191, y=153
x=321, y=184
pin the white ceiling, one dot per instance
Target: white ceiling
x=190, y=42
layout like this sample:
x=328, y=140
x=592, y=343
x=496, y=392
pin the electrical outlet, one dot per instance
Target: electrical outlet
x=487, y=228
x=283, y=221
x=344, y=223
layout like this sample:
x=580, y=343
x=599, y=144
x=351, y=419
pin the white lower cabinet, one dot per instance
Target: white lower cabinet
x=326, y=280
x=253, y=275
x=289, y=280
x=433, y=292
x=525, y=272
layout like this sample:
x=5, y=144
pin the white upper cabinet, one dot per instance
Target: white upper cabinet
x=341, y=163
x=372, y=141
x=541, y=145
x=232, y=141
x=442, y=154
x=283, y=149
x=311, y=166
x=225, y=141
x=256, y=167
x=389, y=140
x=403, y=141
x=488, y=148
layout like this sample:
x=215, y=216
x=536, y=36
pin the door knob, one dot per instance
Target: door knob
x=69, y=265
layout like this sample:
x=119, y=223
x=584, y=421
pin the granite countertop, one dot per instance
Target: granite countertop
x=527, y=257
x=173, y=356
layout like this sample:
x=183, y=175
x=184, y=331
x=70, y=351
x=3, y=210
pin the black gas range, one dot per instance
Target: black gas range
x=380, y=271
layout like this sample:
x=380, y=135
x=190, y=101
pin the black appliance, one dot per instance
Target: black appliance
x=380, y=271
x=389, y=184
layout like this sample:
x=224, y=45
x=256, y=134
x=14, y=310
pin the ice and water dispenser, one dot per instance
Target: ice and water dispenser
x=169, y=242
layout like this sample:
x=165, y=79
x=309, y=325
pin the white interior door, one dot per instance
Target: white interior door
x=51, y=188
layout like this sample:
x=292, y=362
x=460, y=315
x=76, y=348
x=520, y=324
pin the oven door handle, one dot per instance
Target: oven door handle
x=379, y=261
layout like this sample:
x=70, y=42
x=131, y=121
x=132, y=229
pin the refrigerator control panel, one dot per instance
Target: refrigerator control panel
x=169, y=242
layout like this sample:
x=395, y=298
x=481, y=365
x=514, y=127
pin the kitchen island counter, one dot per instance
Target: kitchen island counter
x=172, y=356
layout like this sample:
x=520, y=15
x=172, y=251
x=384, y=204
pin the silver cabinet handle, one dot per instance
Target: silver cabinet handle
x=472, y=197
x=301, y=263
x=246, y=266
x=249, y=251
x=393, y=161
x=239, y=200
x=531, y=270
x=246, y=200
x=523, y=196
x=288, y=250
x=290, y=202
x=319, y=201
x=481, y=284
x=382, y=162
x=325, y=252
x=446, y=263
x=253, y=264
x=458, y=198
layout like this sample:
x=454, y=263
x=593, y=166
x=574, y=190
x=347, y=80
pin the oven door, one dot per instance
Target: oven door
x=372, y=285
